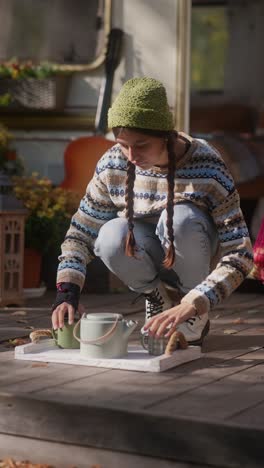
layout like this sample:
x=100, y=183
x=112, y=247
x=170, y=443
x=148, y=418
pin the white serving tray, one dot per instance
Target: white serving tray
x=137, y=358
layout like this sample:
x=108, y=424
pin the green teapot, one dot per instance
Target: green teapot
x=103, y=335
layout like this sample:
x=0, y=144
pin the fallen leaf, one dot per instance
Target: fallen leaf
x=8, y=463
x=11, y=463
x=239, y=321
x=29, y=328
x=18, y=341
x=19, y=313
x=216, y=317
x=40, y=364
x=230, y=332
x=21, y=321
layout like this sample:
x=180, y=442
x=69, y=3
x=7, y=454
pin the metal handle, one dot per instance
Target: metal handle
x=144, y=341
x=54, y=335
x=98, y=340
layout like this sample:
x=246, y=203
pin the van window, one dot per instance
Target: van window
x=66, y=32
x=209, y=46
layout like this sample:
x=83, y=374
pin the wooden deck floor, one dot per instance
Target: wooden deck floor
x=208, y=412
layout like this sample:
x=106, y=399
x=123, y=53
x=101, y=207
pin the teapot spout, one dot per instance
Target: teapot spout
x=129, y=327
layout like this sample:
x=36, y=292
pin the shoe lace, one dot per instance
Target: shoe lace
x=192, y=320
x=154, y=303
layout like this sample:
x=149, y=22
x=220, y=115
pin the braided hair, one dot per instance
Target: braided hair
x=129, y=199
x=130, y=245
x=170, y=254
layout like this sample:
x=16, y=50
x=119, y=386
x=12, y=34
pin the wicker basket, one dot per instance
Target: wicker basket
x=36, y=94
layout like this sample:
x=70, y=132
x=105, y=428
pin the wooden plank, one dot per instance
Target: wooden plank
x=140, y=433
x=16, y=375
x=216, y=402
x=107, y=389
x=222, y=397
x=229, y=368
x=201, y=379
x=68, y=456
x=6, y=353
x=98, y=301
x=185, y=369
x=253, y=415
x=26, y=376
x=183, y=388
x=12, y=326
x=241, y=342
x=15, y=326
x=41, y=318
x=97, y=386
x=237, y=321
x=9, y=333
x=127, y=389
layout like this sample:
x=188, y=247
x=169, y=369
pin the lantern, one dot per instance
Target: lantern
x=12, y=225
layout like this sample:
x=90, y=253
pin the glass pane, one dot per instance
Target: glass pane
x=7, y=281
x=60, y=31
x=15, y=280
x=209, y=45
x=8, y=243
x=16, y=243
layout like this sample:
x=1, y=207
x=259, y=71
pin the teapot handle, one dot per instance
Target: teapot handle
x=98, y=340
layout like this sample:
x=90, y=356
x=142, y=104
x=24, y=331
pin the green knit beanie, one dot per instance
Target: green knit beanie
x=141, y=103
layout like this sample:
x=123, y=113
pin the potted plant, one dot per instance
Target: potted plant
x=49, y=212
x=31, y=85
x=10, y=164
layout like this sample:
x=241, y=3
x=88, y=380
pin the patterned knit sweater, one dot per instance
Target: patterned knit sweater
x=200, y=177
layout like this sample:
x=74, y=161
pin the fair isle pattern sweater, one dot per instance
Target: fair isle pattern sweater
x=200, y=177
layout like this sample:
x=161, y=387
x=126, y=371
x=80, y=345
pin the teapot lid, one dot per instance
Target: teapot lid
x=103, y=317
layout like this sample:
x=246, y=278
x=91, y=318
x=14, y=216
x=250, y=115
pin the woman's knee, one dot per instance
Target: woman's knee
x=191, y=226
x=110, y=240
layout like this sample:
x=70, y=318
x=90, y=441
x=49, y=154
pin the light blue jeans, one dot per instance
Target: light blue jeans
x=195, y=239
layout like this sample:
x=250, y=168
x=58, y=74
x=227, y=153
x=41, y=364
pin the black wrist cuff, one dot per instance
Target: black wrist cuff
x=67, y=292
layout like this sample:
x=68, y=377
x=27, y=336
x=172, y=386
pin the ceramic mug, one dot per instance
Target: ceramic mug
x=64, y=338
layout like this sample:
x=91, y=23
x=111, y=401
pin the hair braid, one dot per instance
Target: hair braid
x=129, y=199
x=170, y=254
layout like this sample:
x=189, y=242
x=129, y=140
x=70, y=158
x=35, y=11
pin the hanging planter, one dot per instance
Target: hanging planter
x=36, y=94
x=32, y=87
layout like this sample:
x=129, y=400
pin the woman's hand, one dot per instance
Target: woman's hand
x=59, y=313
x=165, y=323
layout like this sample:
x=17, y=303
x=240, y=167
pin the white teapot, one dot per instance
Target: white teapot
x=104, y=335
